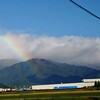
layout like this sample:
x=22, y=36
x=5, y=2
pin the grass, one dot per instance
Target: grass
x=52, y=95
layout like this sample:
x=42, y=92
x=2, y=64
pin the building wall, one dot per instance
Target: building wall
x=62, y=86
x=4, y=90
x=91, y=80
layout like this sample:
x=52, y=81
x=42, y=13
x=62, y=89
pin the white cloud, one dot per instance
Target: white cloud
x=69, y=49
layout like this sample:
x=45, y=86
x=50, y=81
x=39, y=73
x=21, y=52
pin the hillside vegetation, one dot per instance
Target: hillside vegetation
x=41, y=71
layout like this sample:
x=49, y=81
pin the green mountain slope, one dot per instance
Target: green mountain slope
x=40, y=71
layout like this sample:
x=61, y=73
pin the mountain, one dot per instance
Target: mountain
x=41, y=71
x=3, y=86
x=7, y=62
x=1, y=66
x=95, y=66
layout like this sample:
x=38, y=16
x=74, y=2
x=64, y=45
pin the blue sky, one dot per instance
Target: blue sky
x=50, y=17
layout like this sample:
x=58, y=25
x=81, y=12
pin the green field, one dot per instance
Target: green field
x=52, y=95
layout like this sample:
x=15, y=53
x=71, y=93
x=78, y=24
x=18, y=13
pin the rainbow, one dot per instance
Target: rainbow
x=18, y=51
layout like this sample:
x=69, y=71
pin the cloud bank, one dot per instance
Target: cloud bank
x=68, y=49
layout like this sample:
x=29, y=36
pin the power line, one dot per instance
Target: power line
x=85, y=9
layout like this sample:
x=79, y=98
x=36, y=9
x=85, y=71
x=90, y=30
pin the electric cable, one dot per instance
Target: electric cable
x=85, y=9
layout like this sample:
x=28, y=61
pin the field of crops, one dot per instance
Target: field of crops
x=52, y=95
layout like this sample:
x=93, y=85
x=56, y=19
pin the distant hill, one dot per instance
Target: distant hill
x=41, y=71
x=1, y=66
x=3, y=86
x=7, y=62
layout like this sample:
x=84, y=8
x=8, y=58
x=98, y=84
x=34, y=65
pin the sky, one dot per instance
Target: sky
x=50, y=17
x=50, y=29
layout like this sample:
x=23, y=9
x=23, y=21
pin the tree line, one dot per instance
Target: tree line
x=97, y=84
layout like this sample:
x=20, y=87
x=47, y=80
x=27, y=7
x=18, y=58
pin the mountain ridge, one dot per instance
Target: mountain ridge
x=41, y=71
x=7, y=62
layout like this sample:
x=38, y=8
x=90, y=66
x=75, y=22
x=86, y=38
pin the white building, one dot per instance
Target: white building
x=85, y=83
x=91, y=80
x=4, y=90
